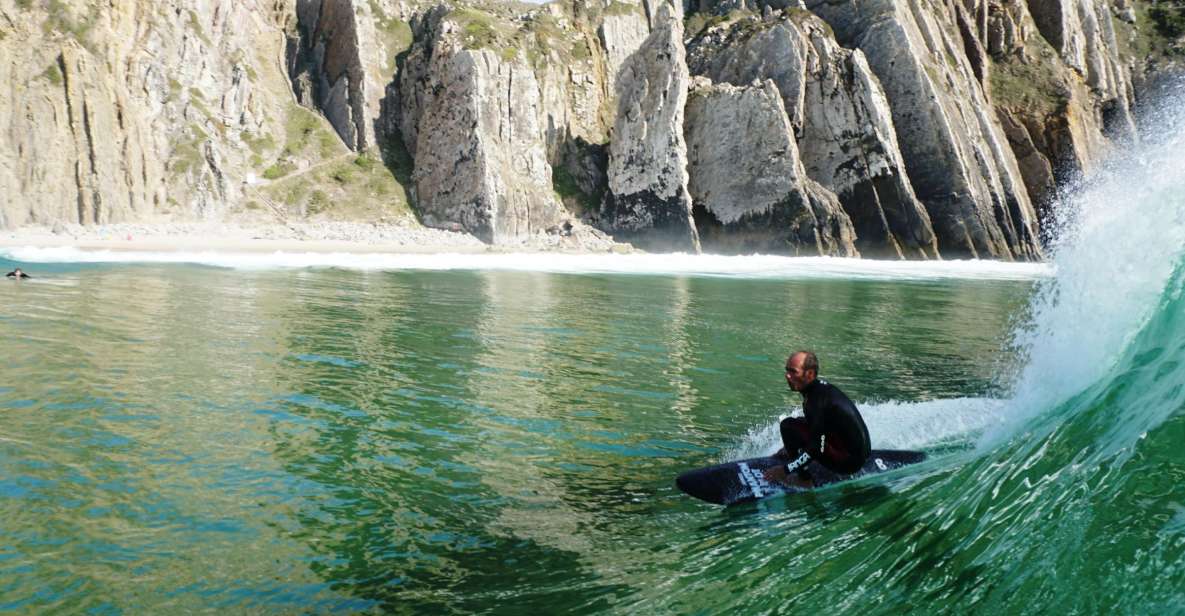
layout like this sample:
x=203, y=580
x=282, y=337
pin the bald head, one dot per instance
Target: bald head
x=802, y=367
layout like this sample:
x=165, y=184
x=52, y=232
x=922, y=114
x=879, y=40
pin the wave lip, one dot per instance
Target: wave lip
x=752, y=267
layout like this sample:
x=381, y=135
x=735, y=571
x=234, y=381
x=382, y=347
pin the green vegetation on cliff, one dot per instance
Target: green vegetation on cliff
x=1157, y=34
x=568, y=189
x=347, y=187
x=538, y=35
x=1032, y=82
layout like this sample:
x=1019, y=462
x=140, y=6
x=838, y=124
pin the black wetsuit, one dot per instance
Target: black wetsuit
x=20, y=276
x=833, y=433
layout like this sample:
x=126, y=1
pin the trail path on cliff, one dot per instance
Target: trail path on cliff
x=279, y=211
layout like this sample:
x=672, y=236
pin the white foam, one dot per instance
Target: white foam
x=766, y=267
x=1121, y=237
x=898, y=425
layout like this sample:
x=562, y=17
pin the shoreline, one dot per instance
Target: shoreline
x=320, y=238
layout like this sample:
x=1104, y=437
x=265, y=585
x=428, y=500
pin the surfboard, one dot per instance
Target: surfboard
x=742, y=481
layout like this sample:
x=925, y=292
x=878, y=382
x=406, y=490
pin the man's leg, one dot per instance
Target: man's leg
x=795, y=435
x=837, y=457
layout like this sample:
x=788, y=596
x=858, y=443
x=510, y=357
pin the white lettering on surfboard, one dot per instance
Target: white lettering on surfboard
x=881, y=464
x=753, y=479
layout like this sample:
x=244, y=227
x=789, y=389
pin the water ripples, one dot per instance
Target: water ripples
x=181, y=438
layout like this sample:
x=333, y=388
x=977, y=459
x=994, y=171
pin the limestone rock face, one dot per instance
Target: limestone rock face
x=1083, y=32
x=621, y=34
x=481, y=160
x=934, y=124
x=955, y=152
x=1063, y=98
x=134, y=111
x=648, y=199
x=748, y=184
x=840, y=116
x=327, y=63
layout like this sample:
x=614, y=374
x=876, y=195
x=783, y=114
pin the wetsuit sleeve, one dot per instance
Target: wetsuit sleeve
x=815, y=446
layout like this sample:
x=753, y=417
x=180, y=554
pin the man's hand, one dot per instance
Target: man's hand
x=778, y=474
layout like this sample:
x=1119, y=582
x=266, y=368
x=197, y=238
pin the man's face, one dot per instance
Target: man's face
x=796, y=377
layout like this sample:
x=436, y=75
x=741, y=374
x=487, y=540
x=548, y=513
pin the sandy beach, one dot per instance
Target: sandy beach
x=321, y=237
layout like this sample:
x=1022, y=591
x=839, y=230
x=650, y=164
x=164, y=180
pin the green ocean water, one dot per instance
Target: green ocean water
x=182, y=438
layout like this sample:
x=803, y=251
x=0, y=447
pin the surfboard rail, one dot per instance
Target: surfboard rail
x=743, y=480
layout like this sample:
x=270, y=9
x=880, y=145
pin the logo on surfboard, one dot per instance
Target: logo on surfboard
x=752, y=479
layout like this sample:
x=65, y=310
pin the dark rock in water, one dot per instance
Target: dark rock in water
x=806, y=223
x=652, y=222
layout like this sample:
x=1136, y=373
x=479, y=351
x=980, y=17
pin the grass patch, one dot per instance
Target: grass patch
x=259, y=145
x=197, y=101
x=342, y=174
x=357, y=189
x=62, y=19
x=318, y=202
x=622, y=8
x=278, y=170
x=1168, y=17
x=540, y=38
x=568, y=190
x=53, y=74
x=365, y=161
x=1034, y=85
x=395, y=33
x=580, y=51
x=196, y=26
x=306, y=132
x=479, y=30
x=187, y=155
x=699, y=22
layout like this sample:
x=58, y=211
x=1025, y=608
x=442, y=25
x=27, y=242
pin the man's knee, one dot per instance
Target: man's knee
x=794, y=431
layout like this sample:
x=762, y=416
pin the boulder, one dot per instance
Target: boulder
x=839, y=114
x=751, y=192
x=647, y=201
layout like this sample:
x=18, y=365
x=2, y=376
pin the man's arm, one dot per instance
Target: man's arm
x=818, y=438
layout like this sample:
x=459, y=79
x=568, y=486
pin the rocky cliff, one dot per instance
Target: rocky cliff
x=919, y=129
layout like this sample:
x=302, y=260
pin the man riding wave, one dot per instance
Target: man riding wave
x=832, y=432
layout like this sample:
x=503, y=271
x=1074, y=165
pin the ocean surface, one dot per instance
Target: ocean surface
x=500, y=434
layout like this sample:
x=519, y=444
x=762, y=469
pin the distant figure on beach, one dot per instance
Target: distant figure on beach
x=17, y=274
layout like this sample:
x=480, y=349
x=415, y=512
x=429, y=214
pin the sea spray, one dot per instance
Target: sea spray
x=1119, y=237
x=896, y=425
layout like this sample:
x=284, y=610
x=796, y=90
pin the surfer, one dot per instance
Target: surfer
x=832, y=431
x=17, y=273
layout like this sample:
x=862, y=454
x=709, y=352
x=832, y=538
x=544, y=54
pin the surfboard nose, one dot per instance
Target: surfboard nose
x=693, y=483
